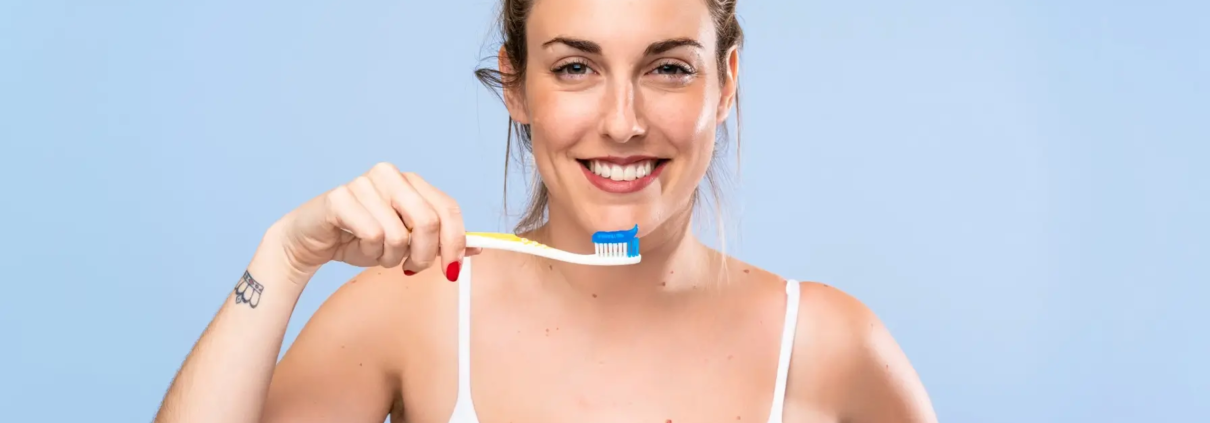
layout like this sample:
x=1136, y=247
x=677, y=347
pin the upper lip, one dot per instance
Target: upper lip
x=622, y=161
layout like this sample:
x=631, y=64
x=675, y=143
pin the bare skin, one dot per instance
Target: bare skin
x=687, y=335
x=684, y=349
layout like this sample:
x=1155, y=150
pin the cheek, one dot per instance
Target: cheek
x=687, y=121
x=559, y=119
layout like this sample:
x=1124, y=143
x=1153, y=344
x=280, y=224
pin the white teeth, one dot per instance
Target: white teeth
x=618, y=172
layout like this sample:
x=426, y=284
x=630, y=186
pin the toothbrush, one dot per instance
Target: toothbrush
x=613, y=248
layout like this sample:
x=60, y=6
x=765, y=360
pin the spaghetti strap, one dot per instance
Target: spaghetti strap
x=789, y=328
x=464, y=407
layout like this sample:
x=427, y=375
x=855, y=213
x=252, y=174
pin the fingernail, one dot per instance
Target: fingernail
x=408, y=273
x=451, y=271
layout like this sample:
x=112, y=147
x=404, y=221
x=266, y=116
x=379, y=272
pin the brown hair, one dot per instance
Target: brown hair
x=511, y=22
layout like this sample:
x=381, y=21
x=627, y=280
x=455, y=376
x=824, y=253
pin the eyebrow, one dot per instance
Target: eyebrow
x=594, y=48
x=582, y=45
x=664, y=46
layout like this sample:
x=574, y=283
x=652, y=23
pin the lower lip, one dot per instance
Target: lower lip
x=623, y=187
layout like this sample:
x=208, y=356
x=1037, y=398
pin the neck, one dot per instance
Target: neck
x=672, y=258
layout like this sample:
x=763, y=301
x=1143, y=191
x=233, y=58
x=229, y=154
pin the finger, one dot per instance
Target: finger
x=417, y=214
x=472, y=251
x=453, y=233
x=345, y=212
x=395, y=235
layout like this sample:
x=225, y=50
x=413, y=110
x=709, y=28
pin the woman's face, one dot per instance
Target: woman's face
x=623, y=99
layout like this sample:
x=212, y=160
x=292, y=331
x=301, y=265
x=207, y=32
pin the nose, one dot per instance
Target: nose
x=622, y=121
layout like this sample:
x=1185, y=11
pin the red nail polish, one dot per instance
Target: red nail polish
x=408, y=273
x=451, y=271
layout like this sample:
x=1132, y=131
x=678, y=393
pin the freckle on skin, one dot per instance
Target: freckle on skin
x=663, y=283
x=729, y=357
x=594, y=295
x=745, y=270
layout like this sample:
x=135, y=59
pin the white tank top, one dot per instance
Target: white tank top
x=464, y=408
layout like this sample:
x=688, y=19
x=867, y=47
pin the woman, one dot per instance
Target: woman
x=619, y=103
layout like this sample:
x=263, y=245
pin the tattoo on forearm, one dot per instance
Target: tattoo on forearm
x=248, y=290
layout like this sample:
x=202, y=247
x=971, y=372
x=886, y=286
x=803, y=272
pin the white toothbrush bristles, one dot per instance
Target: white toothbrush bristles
x=612, y=250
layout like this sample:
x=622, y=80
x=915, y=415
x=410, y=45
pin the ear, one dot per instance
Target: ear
x=514, y=98
x=730, y=85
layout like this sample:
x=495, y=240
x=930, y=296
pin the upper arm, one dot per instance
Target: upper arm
x=876, y=380
x=887, y=388
x=340, y=367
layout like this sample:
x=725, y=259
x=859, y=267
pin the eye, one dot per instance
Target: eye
x=675, y=69
x=670, y=69
x=573, y=69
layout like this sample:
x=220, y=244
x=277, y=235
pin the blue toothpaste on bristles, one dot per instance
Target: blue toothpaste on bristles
x=623, y=243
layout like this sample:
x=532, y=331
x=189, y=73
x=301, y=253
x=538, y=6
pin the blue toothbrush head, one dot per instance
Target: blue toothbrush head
x=617, y=243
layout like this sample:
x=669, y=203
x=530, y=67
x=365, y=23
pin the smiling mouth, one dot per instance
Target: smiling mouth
x=622, y=176
x=622, y=172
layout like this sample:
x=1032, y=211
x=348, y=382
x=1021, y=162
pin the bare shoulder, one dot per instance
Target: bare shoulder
x=376, y=309
x=346, y=361
x=845, y=355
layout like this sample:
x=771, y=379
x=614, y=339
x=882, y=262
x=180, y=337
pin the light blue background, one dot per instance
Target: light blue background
x=1018, y=188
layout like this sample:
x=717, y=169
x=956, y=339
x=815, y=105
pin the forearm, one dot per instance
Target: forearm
x=226, y=376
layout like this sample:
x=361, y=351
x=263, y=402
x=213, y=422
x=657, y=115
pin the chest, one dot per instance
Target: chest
x=642, y=380
x=538, y=367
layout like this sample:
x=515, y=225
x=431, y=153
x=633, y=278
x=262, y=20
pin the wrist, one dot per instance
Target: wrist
x=272, y=262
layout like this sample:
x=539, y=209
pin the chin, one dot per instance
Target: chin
x=623, y=216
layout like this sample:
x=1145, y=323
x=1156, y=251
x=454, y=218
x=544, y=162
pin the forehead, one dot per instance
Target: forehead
x=620, y=24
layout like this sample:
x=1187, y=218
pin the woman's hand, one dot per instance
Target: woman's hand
x=381, y=218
